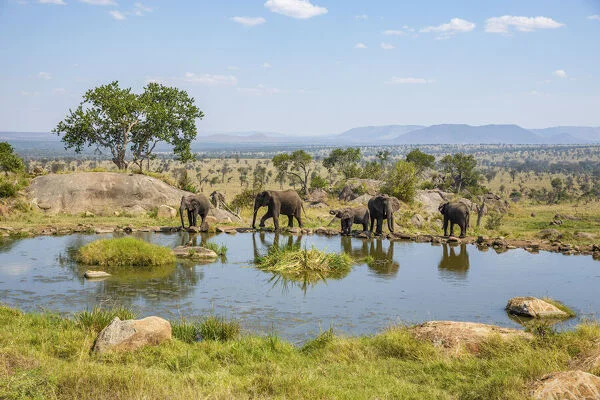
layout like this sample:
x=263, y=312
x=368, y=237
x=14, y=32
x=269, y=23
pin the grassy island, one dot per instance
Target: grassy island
x=125, y=251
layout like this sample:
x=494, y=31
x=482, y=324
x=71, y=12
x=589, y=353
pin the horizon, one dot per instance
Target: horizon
x=319, y=66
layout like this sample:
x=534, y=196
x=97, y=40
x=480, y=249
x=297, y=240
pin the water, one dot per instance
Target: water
x=406, y=283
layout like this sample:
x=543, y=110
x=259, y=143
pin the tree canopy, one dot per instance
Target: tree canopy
x=401, y=181
x=297, y=166
x=121, y=121
x=421, y=160
x=9, y=161
x=344, y=161
x=460, y=171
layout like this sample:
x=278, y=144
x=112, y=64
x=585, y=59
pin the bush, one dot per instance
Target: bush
x=244, y=199
x=318, y=182
x=401, y=182
x=9, y=161
x=126, y=251
x=7, y=189
x=493, y=222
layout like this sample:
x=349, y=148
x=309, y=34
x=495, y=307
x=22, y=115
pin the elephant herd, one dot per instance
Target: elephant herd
x=289, y=203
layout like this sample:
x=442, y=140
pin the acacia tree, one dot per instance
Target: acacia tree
x=461, y=170
x=296, y=166
x=421, y=161
x=9, y=161
x=121, y=121
x=345, y=161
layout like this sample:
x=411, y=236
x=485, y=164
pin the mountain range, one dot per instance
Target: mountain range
x=389, y=135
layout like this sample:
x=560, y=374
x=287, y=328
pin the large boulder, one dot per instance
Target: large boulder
x=223, y=216
x=576, y=385
x=165, y=211
x=417, y=221
x=549, y=233
x=317, y=196
x=494, y=203
x=195, y=252
x=132, y=334
x=362, y=200
x=356, y=187
x=431, y=199
x=469, y=335
x=534, y=308
x=101, y=193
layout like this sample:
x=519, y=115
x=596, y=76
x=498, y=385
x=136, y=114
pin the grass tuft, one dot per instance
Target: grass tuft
x=560, y=306
x=294, y=262
x=125, y=251
x=208, y=328
x=221, y=250
x=99, y=318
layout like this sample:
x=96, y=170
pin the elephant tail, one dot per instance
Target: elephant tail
x=468, y=218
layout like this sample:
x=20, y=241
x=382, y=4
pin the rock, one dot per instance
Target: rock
x=195, y=252
x=362, y=200
x=402, y=236
x=210, y=220
x=499, y=242
x=470, y=335
x=101, y=230
x=244, y=230
x=223, y=216
x=494, y=203
x=550, y=233
x=226, y=229
x=417, y=220
x=453, y=239
x=217, y=199
x=567, y=385
x=132, y=334
x=356, y=187
x=89, y=214
x=585, y=235
x=169, y=229
x=534, y=308
x=424, y=239
x=294, y=230
x=556, y=222
x=481, y=239
x=165, y=211
x=596, y=247
x=431, y=199
x=318, y=205
x=590, y=362
x=567, y=217
x=317, y=196
x=532, y=215
x=326, y=231
x=102, y=193
x=89, y=274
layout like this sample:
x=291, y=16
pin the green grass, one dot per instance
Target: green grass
x=98, y=318
x=221, y=250
x=295, y=262
x=45, y=356
x=208, y=328
x=560, y=306
x=125, y=251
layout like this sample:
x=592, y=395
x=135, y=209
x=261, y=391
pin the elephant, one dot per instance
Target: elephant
x=194, y=204
x=383, y=207
x=352, y=215
x=455, y=213
x=286, y=202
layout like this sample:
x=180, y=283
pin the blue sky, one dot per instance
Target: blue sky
x=315, y=67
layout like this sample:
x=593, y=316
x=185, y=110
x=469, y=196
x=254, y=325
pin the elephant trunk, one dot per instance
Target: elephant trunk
x=181, y=211
x=390, y=220
x=256, y=207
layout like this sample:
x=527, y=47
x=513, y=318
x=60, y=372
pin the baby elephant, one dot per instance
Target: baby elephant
x=352, y=215
x=455, y=213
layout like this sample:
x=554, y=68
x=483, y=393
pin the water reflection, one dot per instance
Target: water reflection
x=380, y=260
x=454, y=265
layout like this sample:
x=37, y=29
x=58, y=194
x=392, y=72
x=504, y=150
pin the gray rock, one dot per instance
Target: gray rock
x=195, y=252
x=417, y=220
x=534, y=308
x=567, y=385
x=132, y=334
x=165, y=211
x=89, y=274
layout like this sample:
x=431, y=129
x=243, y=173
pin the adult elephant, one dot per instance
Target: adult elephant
x=383, y=207
x=455, y=213
x=352, y=215
x=194, y=205
x=286, y=202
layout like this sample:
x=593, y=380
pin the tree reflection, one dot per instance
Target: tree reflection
x=452, y=264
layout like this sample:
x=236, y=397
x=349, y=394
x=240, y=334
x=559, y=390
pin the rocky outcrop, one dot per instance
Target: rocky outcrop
x=417, y=221
x=195, y=252
x=165, y=211
x=550, y=233
x=223, y=216
x=431, y=199
x=356, y=187
x=362, y=200
x=576, y=385
x=89, y=274
x=468, y=335
x=101, y=193
x=317, y=196
x=534, y=308
x=132, y=334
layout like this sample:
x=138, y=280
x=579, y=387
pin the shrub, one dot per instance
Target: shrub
x=126, y=251
x=7, y=189
x=493, y=222
x=244, y=199
x=318, y=182
x=402, y=181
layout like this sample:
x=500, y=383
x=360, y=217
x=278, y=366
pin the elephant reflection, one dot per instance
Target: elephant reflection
x=286, y=240
x=454, y=264
x=380, y=261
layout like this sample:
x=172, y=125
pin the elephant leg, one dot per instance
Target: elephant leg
x=290, y=221
x=445, y=226
x=299, y=219
x=195, y=217
x=190, y=218
x=372, y=224
x=379, y=226
x=276, y=219
x=268, y=214
x=463, y=230
x=451, y=228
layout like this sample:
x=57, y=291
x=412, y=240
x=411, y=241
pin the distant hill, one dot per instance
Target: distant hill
x=468, y=134
x=576, y=133
x=28, y=136
x=369, y=134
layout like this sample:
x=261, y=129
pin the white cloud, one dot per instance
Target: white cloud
x=456, y=25
x=596, y=17
x=394, y=32
x=56, y=2
x=140, y=9
x=210, y=80
x=117, y=15
x=267, y=65
x=261, y=90
x=360, y=46
x=249, y=21
x=100, y=2
x=44, y=75
x=560, y=73
x=361, y=17
x=394, y=80
x=522, y=24
x=386, y=46
x=59, y=91
x=300, y=9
